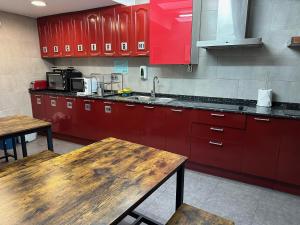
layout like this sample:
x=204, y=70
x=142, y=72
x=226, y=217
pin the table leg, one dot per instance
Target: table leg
x=180, y=187
x=5, y=150
x=15, y=148
x=24, y=148
x=49, y=139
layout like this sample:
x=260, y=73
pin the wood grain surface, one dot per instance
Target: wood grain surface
x=97, y=184
x=188, y=215
x=24, y=163
x=19, y=123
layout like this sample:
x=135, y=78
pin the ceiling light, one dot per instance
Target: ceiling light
x=38, y=3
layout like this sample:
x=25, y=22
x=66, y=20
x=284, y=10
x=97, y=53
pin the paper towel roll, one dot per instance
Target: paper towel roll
x=264, y=98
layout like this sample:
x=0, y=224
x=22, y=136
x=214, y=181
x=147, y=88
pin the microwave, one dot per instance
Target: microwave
x=84, y=86
x=59, y=79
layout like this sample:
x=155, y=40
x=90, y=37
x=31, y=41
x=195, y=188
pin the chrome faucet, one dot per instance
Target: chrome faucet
x=153, y=92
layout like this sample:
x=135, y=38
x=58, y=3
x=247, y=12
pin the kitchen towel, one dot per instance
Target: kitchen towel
x=264, y=98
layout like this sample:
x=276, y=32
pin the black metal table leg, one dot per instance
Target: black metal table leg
x=24, y=148
x=5, y=150
x=49, y=139
x=180, y=187
x=14, y=148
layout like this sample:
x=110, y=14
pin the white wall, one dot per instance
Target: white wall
x=234, y=73
x=20, y=62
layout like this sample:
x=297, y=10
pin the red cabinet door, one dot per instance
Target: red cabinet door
x=129, y=119
x=108, y=31
x=140, y=30
x=67, y=37
x=38, y=106
x=68, y=123
x=170, y=31
x=177, y=125
x=111, y=119
x=153, y=127
x=54, y=112
x=289, y=156
x=80, y=34
x=55, y=36
x=124, y=30
x=43, y=29
x=263, y=137
x=94, y=37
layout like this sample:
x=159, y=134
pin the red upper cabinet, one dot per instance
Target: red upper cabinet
x=140, y=30
x=80, y=33
x=170, y=31
x=289, y=156
x=124, y=30
x=67, y=37
x=94, y=38
x=108, y=31
x=55, y=36
x=43, y=29
x=263, y=139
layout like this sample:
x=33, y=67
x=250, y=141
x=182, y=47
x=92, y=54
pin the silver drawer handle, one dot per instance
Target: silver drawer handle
x=262, y=119
x=217, y=115
x=130, y=105
x=148, y=107
x=38, y=96
x=53, y=97
x=108, y=103
x=176, y=110
x=220, y=144
x=88, y=100
x=217, y=129
x=70, y=99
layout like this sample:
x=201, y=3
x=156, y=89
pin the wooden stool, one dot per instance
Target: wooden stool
x=6, y=154
x=188, y=215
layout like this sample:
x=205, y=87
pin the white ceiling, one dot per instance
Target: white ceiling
x=23, y=7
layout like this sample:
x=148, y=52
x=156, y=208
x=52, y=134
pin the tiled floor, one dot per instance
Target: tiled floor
x=245, y=204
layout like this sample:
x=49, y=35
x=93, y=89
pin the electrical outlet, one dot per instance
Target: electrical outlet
x=189, y=68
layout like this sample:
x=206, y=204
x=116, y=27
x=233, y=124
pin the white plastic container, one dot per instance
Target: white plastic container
x=264, y=98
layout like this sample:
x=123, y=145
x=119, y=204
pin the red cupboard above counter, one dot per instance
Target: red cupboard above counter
x=109, y=31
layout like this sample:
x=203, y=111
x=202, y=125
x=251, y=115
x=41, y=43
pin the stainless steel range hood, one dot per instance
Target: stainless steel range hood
x=232, y=27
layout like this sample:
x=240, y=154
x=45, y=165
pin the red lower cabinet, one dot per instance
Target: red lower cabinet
x=217, y=146
x=289, y=156
x=54, y=112
x=177, y=123
x=38, y=106
x=263, y=138
x=129, y=117
x=152, y=123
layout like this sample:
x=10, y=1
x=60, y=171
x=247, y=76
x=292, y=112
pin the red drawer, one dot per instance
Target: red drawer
x=219, y=118
x=223, y=154
x=217, y=133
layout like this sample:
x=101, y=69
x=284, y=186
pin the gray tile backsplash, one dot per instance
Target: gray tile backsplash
x=231, y=73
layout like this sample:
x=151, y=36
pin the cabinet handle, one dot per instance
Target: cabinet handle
x=217, y=129
x=88, y=100
x=217, y=115
x=70, y=99
x=176, y=110
x=53, y=97
x=219, y=144
x=38, y=96
x=130, y=105
x=262, y=119
x=148, y=107
x=108, y=103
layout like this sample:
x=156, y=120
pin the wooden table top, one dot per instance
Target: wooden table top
x=19, y=123
x=97, y=184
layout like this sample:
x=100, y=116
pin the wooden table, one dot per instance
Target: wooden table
x=98, y=184
x=15, y=126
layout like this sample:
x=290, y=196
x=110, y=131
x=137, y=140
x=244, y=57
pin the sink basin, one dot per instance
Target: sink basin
x=150, y=99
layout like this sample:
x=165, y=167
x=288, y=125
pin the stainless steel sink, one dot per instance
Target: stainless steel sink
x=150, y=99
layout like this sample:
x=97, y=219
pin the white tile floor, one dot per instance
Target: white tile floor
x=245, y=204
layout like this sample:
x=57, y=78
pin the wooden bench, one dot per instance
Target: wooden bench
x=27, y=162
x=188, y=215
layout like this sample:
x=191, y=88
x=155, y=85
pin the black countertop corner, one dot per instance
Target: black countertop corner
x=241, y=106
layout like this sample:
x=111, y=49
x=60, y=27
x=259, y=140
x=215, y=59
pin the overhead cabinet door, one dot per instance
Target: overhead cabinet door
x=55, y=36
x=94, y=39
x=80, y=34
x=141, y=30
x=67, y=37
x=108, y=31
x=43, y=29
x=124, y=30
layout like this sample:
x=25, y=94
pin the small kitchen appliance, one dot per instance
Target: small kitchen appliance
x=84, y=86
x=38, y=85
x=60, y=79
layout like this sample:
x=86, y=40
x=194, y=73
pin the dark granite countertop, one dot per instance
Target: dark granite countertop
x=279, y=110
